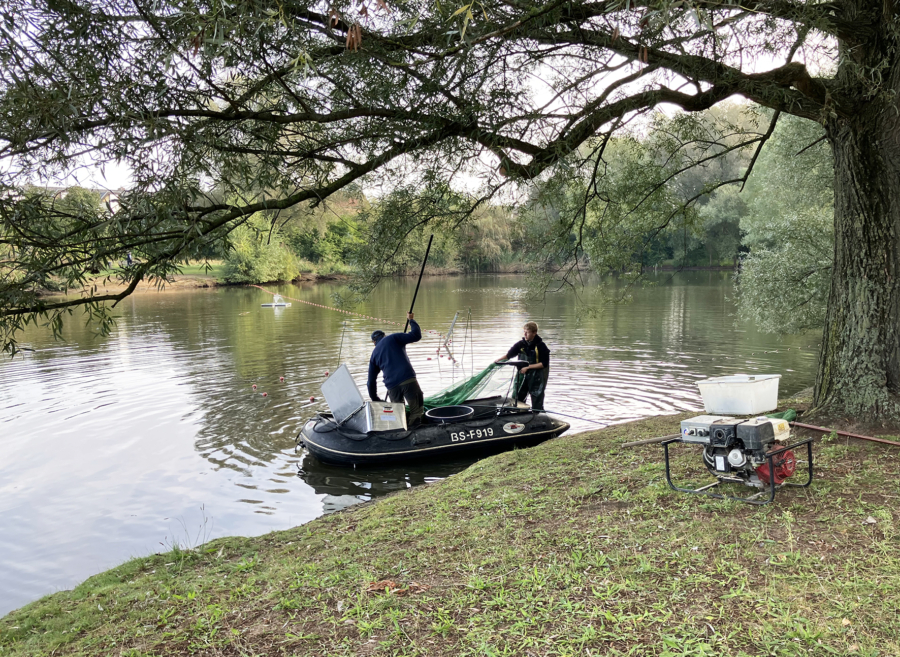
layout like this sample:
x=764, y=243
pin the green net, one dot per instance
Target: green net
x=486, y=383
x=790, y=415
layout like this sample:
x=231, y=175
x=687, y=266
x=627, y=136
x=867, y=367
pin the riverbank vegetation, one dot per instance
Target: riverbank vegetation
x=574, y=547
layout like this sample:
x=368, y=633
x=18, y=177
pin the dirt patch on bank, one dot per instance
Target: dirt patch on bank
x=102, y=286
x=107, y=285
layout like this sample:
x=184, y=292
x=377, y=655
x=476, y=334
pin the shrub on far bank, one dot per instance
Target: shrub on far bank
x=258, y=256
x=329, y=267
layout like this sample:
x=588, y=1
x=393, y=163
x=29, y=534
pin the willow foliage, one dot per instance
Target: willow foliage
x=786, y=278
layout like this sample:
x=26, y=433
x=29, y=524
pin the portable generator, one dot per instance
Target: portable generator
x=754, y=452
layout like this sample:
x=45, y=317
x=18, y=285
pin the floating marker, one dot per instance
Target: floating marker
x=429, y=358
x=265, y=394
x=326, y=372
x=281, y=378
x=254, y=386
x=312, y=399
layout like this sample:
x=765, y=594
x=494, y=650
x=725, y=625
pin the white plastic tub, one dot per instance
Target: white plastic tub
x=740, y=394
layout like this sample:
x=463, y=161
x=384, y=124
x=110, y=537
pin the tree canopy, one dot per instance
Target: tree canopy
x=280, y=104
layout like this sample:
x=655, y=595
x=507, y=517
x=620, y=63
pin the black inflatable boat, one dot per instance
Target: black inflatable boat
x=480, y=426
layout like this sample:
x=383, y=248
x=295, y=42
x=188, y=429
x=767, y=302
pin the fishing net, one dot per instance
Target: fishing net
x=491, y=381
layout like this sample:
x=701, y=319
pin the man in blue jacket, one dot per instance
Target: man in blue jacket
x=389, y=357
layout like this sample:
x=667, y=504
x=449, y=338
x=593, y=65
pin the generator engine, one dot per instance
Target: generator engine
x=735, y=450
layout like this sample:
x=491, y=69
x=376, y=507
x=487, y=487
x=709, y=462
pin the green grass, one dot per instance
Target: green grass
x=216, y=269
x=574, y=547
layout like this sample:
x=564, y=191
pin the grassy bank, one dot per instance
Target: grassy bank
x=575, y=547
x=215, y=270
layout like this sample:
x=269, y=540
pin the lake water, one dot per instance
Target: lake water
x=121, y=446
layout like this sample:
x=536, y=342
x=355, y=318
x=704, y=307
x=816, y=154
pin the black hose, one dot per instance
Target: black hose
x=574, y=417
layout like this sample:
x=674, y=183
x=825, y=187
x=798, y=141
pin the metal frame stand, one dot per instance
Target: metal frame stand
x=512, y=386
x=752, y=499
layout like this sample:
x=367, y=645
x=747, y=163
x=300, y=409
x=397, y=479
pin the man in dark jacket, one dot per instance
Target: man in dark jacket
x=534, y=380
x=389, y=357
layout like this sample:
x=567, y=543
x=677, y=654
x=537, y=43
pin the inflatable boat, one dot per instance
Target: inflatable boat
x=477, y=427
x=358, y=432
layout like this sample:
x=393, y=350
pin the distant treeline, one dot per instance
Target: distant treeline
x=692, y=216
x=697, y=208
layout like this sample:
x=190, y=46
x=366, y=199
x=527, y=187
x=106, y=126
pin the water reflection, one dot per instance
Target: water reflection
x=344, y=487
x=112, y=445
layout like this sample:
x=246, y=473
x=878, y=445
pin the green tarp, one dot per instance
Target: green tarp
x=472, y=388
x=790, y=415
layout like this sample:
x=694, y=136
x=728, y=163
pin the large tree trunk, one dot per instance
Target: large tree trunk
x=859, y=368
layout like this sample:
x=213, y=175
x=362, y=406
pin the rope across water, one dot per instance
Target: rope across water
x=441, y=335
x=338, y=310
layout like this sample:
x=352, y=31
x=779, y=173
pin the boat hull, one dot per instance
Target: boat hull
x=484, y=435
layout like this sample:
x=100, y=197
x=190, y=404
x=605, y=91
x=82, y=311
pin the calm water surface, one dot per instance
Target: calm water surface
x=121, y=446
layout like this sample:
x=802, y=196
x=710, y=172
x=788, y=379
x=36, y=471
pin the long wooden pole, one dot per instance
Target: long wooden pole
x=416, y=293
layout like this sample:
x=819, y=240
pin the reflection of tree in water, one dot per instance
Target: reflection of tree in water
x=238, y=438
x=344, y=486
x=241, y=430
x=265, y=462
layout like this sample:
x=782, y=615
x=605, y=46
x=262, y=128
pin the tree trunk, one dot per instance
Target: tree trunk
x=859, y=367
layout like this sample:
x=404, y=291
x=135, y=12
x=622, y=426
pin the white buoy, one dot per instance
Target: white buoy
x=277, y=302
